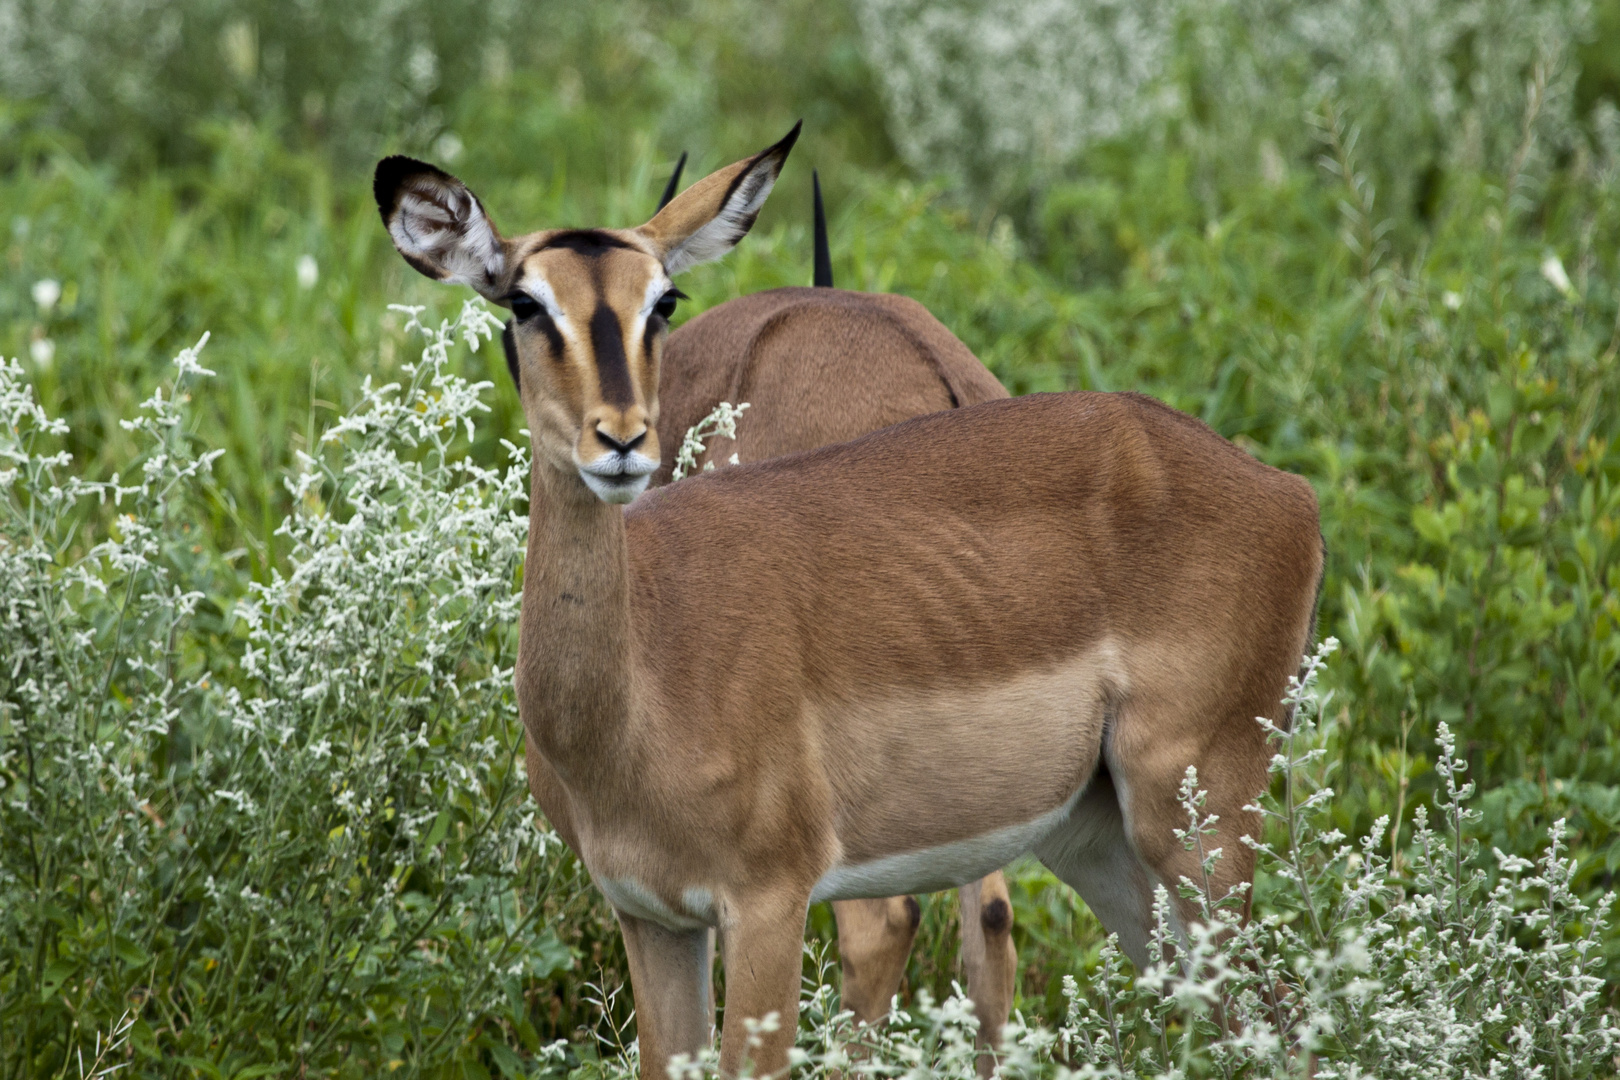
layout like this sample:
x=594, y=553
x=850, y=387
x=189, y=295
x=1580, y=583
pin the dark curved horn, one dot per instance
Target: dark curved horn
x=823, y=277
x=674, y=182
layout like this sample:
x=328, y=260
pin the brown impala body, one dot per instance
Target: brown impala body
x=816, y=366
x=884, y=666
x=820, y=366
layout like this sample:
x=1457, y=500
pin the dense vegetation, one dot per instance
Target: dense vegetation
x=1388, y=260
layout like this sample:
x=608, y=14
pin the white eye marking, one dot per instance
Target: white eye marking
x=656, y=288
x=540, y=289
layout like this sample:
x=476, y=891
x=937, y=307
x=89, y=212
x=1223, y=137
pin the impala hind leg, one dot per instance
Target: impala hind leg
x=989, y=959
x=669, y=980
x=874, y=942
x=1093, y=855
x=1232, y=772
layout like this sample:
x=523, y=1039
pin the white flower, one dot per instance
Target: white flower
x=47, y=291
x=447, y=148
x=308, y=272
x=43, y=350
x=721, y=422
x=1552, y=268
x=1452, y=300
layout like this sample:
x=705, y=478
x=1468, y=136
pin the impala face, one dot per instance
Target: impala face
x=590, y=312
x=590, y=307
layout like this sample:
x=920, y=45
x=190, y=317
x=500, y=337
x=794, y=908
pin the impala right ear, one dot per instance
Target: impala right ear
x=706, y=220
x=439, y=226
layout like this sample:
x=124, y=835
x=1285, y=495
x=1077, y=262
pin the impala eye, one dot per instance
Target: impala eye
x=666, y=303
x=523, y=305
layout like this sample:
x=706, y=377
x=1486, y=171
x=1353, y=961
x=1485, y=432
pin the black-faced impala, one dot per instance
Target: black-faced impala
x=884, y=666
x=825, y=365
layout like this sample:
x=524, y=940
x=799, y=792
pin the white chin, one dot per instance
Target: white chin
x=622, y=488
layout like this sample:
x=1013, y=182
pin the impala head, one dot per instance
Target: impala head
x=590, y=307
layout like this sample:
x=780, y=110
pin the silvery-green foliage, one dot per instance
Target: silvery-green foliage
x=99, y=65
x=282, y=818
x=1431, y=967
x=984, y=90
x=143, y=77
x=1428, y=84
x=978, y=87
x=721, y=423
x=283, y=822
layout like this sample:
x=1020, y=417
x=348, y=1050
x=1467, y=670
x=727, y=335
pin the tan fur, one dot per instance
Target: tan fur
x=820, y=366
x=874, y=940
x=816, y=366
x=693, y=671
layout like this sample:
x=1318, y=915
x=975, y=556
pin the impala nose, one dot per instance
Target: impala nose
x=622, y=447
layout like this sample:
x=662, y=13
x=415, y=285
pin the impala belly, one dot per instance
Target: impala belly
x=630, y=896
x=943, y=867
x=935, y=788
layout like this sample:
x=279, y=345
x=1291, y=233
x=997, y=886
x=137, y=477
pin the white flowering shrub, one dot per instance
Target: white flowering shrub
x=285, y=821
x=721, y=423
x=1426, y=962
x=991, y=91
x=974, y=87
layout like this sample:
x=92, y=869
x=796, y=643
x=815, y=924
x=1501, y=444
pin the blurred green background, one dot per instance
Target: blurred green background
x=1374, y=242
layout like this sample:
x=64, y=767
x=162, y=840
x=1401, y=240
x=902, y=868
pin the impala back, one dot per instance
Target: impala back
x=816, y=366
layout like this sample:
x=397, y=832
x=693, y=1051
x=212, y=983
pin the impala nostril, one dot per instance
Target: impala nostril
x=625, y=446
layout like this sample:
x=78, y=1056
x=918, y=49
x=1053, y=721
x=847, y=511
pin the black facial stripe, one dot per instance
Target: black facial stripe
x=509, y=343
x=554, y=340
x=612, y=368
x=585, y=241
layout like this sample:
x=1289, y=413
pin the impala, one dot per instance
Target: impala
x=884, y=666
x=824, y=365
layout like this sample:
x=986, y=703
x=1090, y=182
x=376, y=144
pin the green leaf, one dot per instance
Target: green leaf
x=441, y=826
x=1432, y=526
x=509, y=1063
x=130, y=953
x=253, y=1071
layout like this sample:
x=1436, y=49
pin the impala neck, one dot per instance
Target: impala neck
x=573, y=676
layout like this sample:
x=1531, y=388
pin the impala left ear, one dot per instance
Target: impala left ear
x=706, y=220
x=439, y=226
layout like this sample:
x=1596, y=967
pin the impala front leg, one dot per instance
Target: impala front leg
x=669, y=978
x=874, y=943
x=764, y=947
